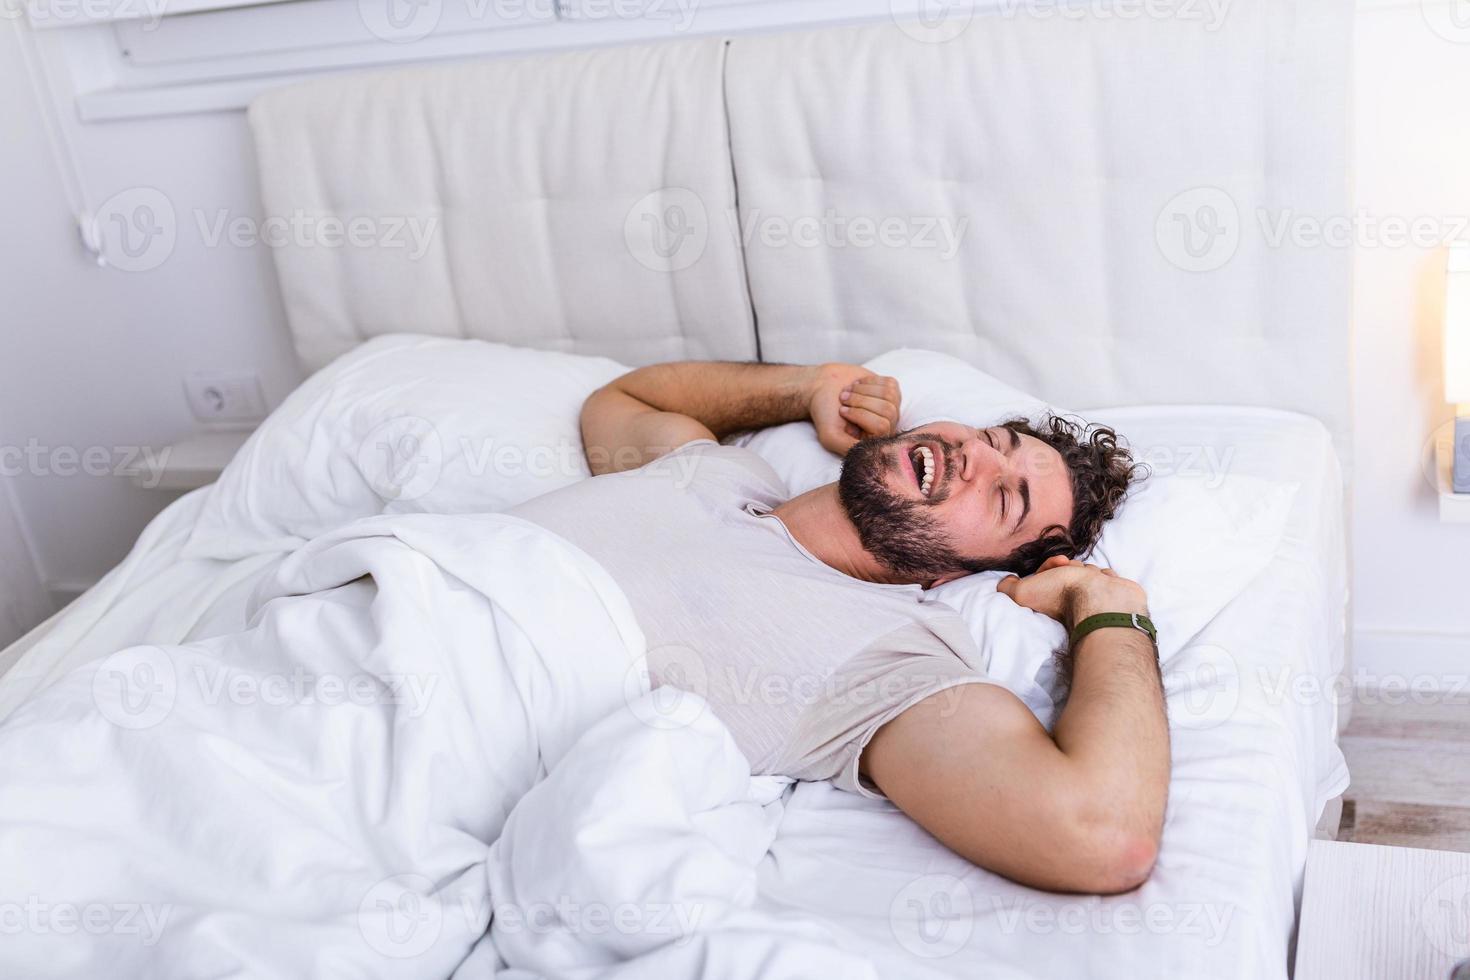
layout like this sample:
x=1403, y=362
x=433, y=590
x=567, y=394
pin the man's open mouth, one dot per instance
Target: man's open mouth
x=921, y=458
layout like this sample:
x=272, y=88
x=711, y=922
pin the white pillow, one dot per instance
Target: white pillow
x=403, y=424
x=934, y=387
x=1192, y=543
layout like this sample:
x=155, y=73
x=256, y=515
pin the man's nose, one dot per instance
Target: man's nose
x=979, y=459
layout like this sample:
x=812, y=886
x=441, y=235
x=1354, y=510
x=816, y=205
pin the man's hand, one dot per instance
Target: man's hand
x=1069, y=591
x=849, y=403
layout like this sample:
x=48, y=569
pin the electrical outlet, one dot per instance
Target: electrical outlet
x=225, y=396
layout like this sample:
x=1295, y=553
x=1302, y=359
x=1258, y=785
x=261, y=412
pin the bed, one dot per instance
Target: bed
x=1065, y=283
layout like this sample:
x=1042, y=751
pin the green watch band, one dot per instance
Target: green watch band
x=1104, y=620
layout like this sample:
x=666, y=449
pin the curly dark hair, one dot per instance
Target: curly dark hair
x=1101, y=472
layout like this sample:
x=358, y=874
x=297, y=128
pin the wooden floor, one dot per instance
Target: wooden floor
x=1410, y=766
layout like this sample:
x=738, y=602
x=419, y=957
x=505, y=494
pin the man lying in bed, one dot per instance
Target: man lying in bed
x=803, y=620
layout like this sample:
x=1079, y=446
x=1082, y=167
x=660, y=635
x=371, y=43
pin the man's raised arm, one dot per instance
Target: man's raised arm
x=653, y=410
x=1079, y=810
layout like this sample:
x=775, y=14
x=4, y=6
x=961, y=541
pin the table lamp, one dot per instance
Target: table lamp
x=1457, y=359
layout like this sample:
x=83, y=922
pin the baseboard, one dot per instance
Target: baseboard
x=1416, y=658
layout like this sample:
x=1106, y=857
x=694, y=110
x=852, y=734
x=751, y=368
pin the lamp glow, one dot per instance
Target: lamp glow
x=1457, y=326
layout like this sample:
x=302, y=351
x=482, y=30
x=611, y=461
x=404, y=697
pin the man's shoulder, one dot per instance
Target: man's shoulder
x=733, y=466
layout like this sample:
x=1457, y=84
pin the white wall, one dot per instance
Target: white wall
x=1412, y=146
x=95, y=357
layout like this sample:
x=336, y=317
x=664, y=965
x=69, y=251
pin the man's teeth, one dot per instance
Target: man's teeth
x=926, y=455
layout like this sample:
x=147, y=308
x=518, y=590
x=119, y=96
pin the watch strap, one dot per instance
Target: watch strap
x=1100, y=621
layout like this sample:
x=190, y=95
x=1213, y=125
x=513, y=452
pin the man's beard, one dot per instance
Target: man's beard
x=901, y=533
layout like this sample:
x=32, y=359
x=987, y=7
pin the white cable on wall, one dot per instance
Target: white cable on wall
x=57, y=139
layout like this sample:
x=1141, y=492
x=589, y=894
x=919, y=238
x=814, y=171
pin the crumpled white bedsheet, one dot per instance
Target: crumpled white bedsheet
x=429, y=720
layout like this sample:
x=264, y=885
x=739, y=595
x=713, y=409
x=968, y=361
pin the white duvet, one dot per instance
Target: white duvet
x=432, y=726
x=432, y=722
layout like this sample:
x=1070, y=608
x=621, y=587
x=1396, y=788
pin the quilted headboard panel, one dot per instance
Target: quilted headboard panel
x=1088, y=207
x=535, y=201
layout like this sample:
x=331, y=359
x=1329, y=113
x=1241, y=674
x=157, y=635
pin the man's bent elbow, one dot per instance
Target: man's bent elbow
x=1112, y=857
x=1128, y=864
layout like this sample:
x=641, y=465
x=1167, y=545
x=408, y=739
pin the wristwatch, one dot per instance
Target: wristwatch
x=1104, y=620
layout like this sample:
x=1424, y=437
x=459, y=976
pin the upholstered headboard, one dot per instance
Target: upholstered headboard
x=1100, y=209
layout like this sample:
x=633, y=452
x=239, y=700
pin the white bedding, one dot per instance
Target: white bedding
x=346, y=788
x=1254, y=762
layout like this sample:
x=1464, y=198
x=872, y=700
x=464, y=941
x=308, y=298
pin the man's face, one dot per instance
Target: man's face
x=989, y=492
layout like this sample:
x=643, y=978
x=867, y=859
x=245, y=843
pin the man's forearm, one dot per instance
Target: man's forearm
x=1115, y=727
x=724, y=396
x=648, y=412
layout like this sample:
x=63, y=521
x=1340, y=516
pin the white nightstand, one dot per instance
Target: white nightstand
x=1383, y=913
x=193, y=462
